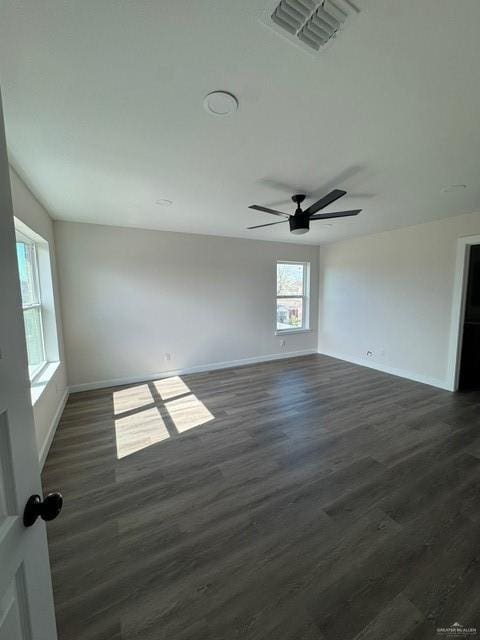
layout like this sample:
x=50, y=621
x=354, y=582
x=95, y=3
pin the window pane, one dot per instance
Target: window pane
x=33, y=333
x=289, y=313
x=26, y=271
x=290, y=279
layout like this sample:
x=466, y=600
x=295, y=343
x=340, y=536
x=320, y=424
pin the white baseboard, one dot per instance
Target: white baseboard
x=100, y=384
x=53, y=427
x=401, y=373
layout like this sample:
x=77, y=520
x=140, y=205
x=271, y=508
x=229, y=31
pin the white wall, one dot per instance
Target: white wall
x=130, y=296
x=49, y=403
x=391, y=294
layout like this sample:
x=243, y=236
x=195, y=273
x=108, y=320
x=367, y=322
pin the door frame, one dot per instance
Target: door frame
x=458, y=309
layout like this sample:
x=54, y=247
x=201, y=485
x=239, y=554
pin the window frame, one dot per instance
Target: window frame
x=305, y=297
x=34, y=373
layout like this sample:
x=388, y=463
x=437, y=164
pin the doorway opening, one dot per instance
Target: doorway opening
x=463, y=369
x=469, y=373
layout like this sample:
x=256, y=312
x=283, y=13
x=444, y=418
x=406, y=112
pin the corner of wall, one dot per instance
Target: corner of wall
x=320, y=299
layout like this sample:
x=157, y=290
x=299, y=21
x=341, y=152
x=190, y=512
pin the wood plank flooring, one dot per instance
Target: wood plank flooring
x=302, y=499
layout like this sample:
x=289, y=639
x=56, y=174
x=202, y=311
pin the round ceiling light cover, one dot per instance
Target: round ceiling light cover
x=220, y=103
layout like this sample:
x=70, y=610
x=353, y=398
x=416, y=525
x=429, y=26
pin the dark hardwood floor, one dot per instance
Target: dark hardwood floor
x=294, y=500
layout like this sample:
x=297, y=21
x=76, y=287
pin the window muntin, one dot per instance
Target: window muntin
x=291, y=294
x=31, y=303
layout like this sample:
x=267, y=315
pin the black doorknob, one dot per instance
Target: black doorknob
x=48, y=509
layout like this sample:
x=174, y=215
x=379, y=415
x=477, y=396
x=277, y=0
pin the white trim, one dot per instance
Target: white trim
x=29, y=234
x=282, y=332
x=53, y=428
x=41, y=368
x=458, y=309
x=40, y=383
x=401, y=373
x=100, y=384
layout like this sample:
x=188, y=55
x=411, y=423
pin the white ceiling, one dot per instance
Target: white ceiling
x=104, y=116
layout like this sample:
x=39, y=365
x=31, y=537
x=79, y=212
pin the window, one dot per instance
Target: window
x=31, y=303
x=292, y=296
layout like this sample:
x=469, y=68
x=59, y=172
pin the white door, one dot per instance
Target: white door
x=26, y=601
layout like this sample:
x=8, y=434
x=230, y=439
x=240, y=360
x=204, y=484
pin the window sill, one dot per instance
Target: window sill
x=283, y=332
x=39, y=384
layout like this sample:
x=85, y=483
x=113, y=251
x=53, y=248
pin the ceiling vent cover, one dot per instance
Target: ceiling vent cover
x=310, y=24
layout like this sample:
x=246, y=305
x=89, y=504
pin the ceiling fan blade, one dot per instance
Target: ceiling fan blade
x=325, y=201
x=269, y=224
x=257, y=207
x=336, y=214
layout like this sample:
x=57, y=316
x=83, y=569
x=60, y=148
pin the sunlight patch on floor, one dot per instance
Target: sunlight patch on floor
x=138, y=431
x=131, y=398
x=188, y=412
x=143, y=417
x=171, y=387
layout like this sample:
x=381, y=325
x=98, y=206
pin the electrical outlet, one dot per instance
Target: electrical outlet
x=167, y=356
x=282, y=342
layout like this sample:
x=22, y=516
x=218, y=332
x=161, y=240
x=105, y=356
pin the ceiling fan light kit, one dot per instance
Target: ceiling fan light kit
x=299, y=227
x=299, y=222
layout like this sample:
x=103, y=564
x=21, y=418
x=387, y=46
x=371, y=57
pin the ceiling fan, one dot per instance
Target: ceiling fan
x=300, y=221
